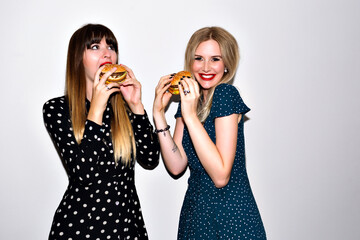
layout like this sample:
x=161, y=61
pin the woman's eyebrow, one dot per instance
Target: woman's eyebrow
x=198, y=55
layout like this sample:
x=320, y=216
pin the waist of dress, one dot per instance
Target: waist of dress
x=116, y=183
x=199, y=179
x=200, y=182
x=197, y=175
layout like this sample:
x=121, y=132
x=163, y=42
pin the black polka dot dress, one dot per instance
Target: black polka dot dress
x=100, y=201
x=220, y=213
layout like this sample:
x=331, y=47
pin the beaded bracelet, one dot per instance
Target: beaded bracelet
x=162, y=130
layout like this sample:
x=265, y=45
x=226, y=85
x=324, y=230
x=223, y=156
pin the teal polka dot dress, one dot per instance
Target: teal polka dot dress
x=219, y=213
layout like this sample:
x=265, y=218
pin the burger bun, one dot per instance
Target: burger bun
x=118, y=76
x=174, y=85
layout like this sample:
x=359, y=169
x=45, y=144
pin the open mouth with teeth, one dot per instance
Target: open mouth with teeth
x=207, y=77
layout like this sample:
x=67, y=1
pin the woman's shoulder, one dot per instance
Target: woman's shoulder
x=226, y=90
x=227, y=100
x=55, y=104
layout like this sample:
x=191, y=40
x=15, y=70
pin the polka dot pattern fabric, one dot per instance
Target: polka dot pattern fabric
x=220, y=213
x=100, y=201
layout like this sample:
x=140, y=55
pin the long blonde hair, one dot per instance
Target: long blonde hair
x=75, y=91
x=230, y=55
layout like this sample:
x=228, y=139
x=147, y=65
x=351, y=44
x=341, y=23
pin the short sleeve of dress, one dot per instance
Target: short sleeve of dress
x=227, y=101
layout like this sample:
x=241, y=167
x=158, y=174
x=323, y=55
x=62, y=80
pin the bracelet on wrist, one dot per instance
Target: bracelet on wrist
x=162, y=130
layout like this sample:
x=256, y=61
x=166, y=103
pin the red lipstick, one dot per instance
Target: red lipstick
x=207, y=77
x=105, y=63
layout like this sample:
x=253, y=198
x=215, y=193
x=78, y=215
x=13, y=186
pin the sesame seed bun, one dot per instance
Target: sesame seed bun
x=118, y=76
x=174, y=87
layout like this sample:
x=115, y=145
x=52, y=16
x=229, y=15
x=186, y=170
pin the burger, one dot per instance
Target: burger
x=174, y=87
x=118, y=76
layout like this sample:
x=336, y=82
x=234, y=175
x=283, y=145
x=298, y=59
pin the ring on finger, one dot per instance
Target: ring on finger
x=186, y=92
x=107, y=87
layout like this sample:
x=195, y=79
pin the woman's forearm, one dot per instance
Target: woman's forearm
x=172, y=152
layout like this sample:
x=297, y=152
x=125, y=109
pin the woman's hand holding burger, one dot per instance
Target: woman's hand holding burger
x=100, y=95
x=162, y=95
x=161, y=100
x=182, y=84
x=189, y=94
x=131, y=91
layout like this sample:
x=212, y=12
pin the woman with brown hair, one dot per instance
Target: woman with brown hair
x=209, y=138
x=99, y=130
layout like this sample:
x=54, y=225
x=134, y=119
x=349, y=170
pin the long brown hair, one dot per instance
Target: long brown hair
x=75, y=92
x=230, y=55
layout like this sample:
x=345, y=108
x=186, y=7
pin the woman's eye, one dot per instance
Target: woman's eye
x=215, y=59
x=111, y=48
x=198, y=58
x=94, y=47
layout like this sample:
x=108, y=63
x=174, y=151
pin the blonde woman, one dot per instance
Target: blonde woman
x=209, y=138
x=99, y=130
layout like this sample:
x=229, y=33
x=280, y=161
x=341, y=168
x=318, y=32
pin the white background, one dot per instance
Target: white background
x=299, y=73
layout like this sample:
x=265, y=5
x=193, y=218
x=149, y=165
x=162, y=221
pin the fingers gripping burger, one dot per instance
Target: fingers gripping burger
x=118, y=76
x=174, y=87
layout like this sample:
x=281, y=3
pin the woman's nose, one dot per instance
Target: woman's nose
x=106, y=53
x=206, y=66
